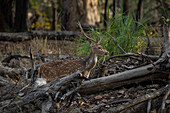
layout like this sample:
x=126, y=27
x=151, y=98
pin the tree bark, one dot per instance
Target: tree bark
x=103, y=83
x=54, y=15
x=114, y=8
x=21, y=15
x=69, y=17
x=85, y=11
x=90, y=13
x=6, y=15
x=105, y=13
x=125, y=7
x=139, y=13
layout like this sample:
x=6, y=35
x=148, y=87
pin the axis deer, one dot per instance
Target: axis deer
x=59, y=68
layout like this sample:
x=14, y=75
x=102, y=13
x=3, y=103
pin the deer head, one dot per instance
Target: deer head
x=96, y=47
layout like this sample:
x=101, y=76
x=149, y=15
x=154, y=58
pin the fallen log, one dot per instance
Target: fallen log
x=115, y=80
x=24, y=36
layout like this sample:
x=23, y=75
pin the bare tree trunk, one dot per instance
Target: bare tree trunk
x=105, y=13
x=125, y=7
x=6, y=15
x=21, y=15
x=69, y=17
x=85, y=11
x=139, y=14
x=54, y=15
x=114, y=7
x=91, y=14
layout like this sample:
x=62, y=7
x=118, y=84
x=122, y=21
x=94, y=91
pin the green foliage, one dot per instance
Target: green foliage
x=165, y=19
x=127, y=33
x=125, y=30
x=83, y=48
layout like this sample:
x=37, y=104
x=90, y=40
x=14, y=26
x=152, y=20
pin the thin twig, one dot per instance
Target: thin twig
x=136, y=55
x=164, y=100
x=33, y=77
x=121, y=101
x=149, y=106
x=121, y=47
x=116, y=43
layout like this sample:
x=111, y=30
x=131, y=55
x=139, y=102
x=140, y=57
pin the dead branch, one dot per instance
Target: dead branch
x=121, y=47
x=164, y=99
x=10, y=57
x=151, y=57
x=149, y=106
x=10, y=72
x=18, y=56
x=139, y=100
x=116, y=43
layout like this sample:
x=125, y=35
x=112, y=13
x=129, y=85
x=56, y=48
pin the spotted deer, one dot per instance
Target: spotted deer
x=59, y=68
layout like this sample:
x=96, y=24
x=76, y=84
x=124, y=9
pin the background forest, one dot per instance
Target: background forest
x=126, y=20
x=133, y=78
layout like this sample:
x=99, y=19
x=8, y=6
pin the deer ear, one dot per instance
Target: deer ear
x=90, y=43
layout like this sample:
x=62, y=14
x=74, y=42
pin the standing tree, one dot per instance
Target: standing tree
x=139, y=13
x=85, y=11
x=125, y=7
x=68, y=18
x=6, y=15
x=105, y=13
x=114, y=8
x=21, y=15
x=90, y=12
x=54, y=14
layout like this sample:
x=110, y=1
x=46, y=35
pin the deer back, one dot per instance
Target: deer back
x=60, y=68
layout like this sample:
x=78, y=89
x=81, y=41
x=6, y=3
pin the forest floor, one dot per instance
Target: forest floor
x=92, y=103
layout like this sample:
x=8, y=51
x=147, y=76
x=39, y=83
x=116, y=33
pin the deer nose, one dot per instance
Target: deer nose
x=107, y=53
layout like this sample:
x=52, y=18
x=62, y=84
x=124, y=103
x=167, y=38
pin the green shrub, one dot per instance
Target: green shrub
x=126, y=31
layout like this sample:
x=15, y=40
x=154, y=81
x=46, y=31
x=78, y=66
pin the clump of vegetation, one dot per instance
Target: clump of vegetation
x=126, y=31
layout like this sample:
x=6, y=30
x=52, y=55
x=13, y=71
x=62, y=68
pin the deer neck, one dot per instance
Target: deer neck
x=91, y=61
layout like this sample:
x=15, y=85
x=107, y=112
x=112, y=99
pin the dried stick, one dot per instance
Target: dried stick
x=138, y=100
x=121, y=47
x=151, y=57
x=116, y=43
x=17, y=56
x=149, y=106
x=10, y=57
x=166, y=46
x=164, y=99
